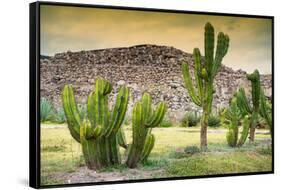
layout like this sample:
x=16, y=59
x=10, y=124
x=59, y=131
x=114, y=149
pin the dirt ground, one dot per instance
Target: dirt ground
x=84, y=175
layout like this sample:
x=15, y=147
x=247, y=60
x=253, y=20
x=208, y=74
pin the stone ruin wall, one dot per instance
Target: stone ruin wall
x=151, y=68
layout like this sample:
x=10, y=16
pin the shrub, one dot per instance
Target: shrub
x=47, y=111
x=214, y=120
x=190, y=119
x=60, y=116
x=191, y=150
x=166, y=122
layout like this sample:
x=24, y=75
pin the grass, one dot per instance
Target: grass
x=224, y=163
x=61, y=153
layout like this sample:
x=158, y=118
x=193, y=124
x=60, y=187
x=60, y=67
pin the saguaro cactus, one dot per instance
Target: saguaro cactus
x=97, y=134
x=233, y=116
x=202, y=94
x=143, y=119
x=265, y=110
x=244, y=105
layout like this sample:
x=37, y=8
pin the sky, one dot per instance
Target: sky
x=78, y=28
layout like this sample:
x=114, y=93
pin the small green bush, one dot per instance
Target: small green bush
x=60, y=116
x=191, y=150
x=214, y=120
x=47, y=111
x=190, y=119
x=166, y=122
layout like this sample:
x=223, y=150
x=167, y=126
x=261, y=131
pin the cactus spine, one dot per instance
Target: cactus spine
x=245, y=107
x=204, y=76
x=143, y=119
x=98, y=134
x=234, y=116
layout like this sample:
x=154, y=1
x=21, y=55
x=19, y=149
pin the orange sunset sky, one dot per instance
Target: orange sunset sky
x=75, y=28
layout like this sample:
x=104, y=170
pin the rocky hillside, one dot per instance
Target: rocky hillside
x=156, y=69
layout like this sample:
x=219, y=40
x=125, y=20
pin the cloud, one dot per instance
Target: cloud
x=76, y=28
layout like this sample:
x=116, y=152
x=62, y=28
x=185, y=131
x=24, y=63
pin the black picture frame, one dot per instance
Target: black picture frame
x=34, y=92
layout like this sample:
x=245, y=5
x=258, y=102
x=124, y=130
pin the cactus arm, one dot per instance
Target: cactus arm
x=209, y=46
x=242, y=102
x=97, y=107
x=158, y=115
x=112, y=146
x=89, y=147
x=100, y=109
x=198, y=72
x=256, y=89
x=107, y=88
x=226, y=114
x=149, y=144
x=103, y=86
x=138, y=136
x=245, y=131
x=146, y=107
x=222, y=47
x=119, y=111
x=137, y=120
x=265, y=111
x=100, y=100
x=121, y=139
x=209, y=97
x=71, y=112
x=189, y=85
x=91, y=109
x=230, y=137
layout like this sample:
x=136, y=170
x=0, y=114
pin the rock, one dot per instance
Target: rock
x=151, y=68
x=121, y=82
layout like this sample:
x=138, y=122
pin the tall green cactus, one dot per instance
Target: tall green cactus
x=251, y=109
x=98, y=134
x=143, y=119
x=205, y=74
x=233, y=116
x=266, y=110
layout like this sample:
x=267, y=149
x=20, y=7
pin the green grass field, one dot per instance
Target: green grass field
x=61, y=155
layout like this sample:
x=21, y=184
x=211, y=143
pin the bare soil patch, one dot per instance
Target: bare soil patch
x=84, y=175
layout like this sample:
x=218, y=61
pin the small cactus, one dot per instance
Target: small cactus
x=143, y=119
x=252, y=109
x=233, y=115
